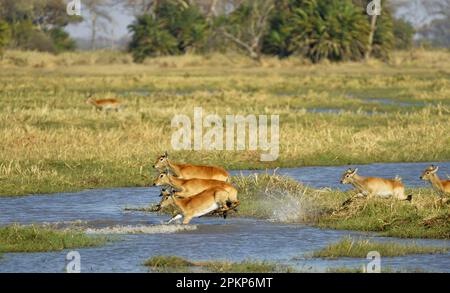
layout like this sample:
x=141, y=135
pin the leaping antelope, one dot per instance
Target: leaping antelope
x=191, y=187
x=167, y=191
x=198, y=205
x=105, y=104
x=188, y=171
x=374, y=186
x=430, y=174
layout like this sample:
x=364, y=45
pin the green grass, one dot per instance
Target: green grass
x=283, y=199
x=358, y=248
x=53, y=142
x=167, y=262
x=179, y=264
x=355, y=270
x=15, y=238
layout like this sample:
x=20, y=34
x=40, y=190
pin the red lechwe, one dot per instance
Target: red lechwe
x=374, y=186
x=430, y=174
x=198, y=205
x=191, y=187
x=105, y=104
x=188, y=171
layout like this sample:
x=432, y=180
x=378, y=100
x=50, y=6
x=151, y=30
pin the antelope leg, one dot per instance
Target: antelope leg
x=179, y=216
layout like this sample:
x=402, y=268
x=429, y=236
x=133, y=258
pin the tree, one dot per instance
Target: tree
x=438, y=30
x=247, y=25
x=61, y=40
x=380, y=35
x=150, y=39
x=174, y=28
x=278, y=40
x=318, y=29
x=32, y=21
x=184, y=22
x=5, y=36
x=99, y=14
x=403, y=34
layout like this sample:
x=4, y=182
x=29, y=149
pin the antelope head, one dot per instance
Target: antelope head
x=162, y=161
x=89, y=99
x=429, y=172
x=347, y=177
x=166, y=194
x=162, y=179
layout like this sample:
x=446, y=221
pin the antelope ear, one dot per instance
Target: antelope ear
x=435, y=169
x=166, y=154
x=354, y=171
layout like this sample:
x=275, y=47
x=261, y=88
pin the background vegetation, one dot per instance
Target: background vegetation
x=313, y=29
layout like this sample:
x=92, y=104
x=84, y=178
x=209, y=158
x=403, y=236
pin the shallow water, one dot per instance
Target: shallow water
x=237, y=238
x=329, y=176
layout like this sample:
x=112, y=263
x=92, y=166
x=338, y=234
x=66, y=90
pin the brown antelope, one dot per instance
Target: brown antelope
x=373, y=186
x=105, y=104
x=191, y=187
x=188, y=171
x=167, y=191
x=430, y=174
x=198, y=205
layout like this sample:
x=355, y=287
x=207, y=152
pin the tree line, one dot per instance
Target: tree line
x=337, y=30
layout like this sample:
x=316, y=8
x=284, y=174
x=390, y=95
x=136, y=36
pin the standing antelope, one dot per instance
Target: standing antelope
x=430, y=174
x=105, y=104
x=191, y=187
x=188, y=171
x=373, y=186
x=198, y=205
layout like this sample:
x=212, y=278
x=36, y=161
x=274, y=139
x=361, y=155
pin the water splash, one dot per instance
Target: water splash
x=284, y=207
x=141, y=229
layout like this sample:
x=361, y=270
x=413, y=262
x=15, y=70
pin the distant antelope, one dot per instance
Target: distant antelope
x=191, y=187
x=198, y=205
x=188, y=171
x=105, y=104
x=373, y=186
x=430, y=174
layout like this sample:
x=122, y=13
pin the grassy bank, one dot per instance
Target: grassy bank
x=178, y=264
x=350, y=247
x=17, y=238
x=52, y=141
x=282, y=199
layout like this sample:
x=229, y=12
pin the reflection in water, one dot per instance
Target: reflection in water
x=234, y=239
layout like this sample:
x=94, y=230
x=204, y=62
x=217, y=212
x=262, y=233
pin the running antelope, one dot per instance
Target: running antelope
x=105, y=104
x=198, y=205
x=373, y=186
x=166, y=201
x=188, y=171
x=430, y=174
x=191, y=187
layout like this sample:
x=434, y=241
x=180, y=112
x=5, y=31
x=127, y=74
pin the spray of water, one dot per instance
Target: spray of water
x=284, y=207
x=141, y=229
